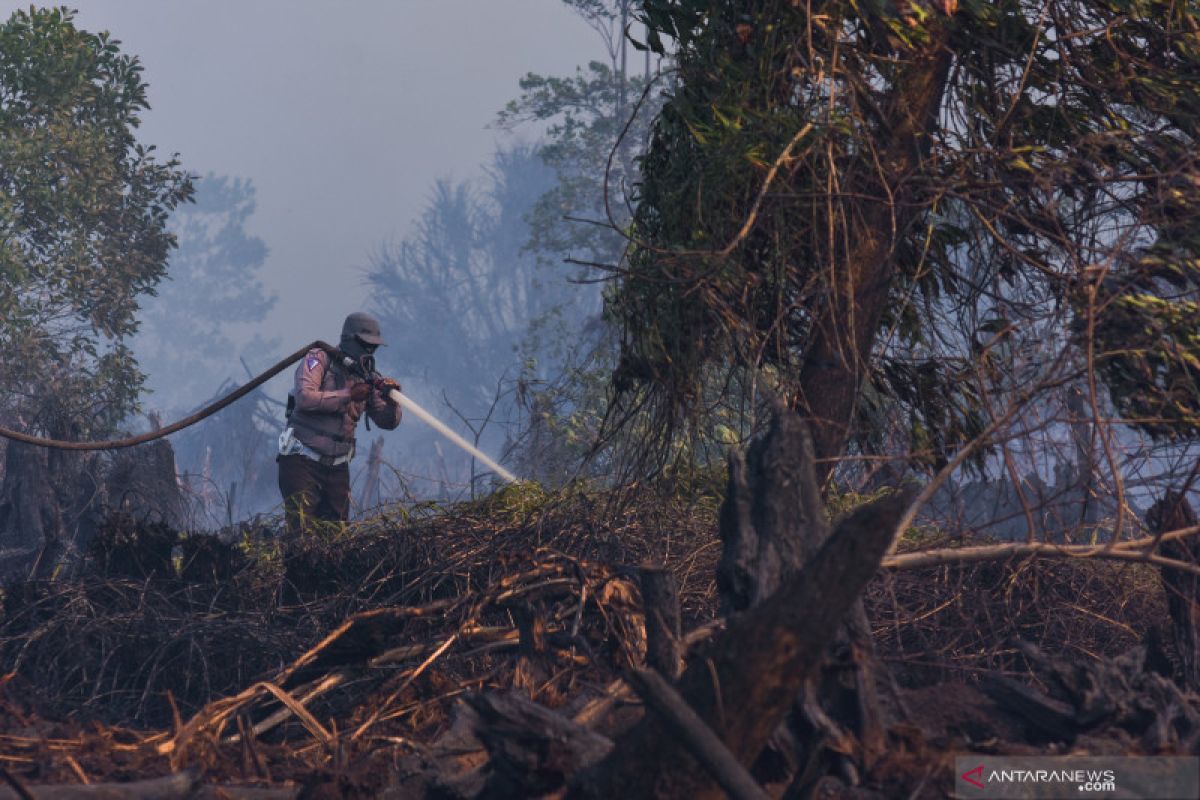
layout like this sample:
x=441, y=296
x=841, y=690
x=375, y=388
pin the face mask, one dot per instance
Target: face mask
x=360, y=354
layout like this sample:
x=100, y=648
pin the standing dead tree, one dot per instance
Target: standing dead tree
x=1182, y=588
x=748, y=681
x=370, y=492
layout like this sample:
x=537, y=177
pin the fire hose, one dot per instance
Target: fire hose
x=405, y=402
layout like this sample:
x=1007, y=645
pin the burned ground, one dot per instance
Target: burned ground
x=344, y=660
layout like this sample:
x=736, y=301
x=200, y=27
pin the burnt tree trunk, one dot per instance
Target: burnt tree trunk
x=27, y=507
x=52, y=502
x=664, y=627
x=1182, y=588
x=49, y=503
x=772, y=523
x=143, y=483
x=749, y=678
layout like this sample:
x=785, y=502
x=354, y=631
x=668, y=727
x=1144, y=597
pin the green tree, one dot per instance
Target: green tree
x=594, y=125
x=83, y=219
x=919, y=206
x=583, y=116
x=83, y=237
x=457, y=296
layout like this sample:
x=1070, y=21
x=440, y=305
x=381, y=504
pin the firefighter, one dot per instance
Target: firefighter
x=331, y=392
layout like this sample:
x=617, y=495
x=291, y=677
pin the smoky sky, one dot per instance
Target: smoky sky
x=341, y=113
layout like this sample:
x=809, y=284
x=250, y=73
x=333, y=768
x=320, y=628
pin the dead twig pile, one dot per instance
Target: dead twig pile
x=957, y=621
x=478, y=650
x=321, y=654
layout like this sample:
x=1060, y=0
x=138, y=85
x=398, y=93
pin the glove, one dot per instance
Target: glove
x=360, y=391
x=385, y=387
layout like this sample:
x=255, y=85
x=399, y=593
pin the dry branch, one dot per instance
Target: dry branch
x=749, y=682
x=1124, y=551
x=701, y=742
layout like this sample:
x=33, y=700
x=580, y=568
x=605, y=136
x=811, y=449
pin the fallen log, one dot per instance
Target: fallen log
x=1092, y=697
x=533, y=750
x=1050, y=719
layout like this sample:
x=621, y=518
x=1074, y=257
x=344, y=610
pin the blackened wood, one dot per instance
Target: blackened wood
x=664, y=632
x=533, y=750
x=699, y=739
x=48, y=504
x=29, y=513
x=1050, y=718
x=141, y=482
x=772, y=522
x=1116, y=692
x=748, y=683
x=1182, y=588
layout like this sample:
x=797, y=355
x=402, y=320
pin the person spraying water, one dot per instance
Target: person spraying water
x=334, y=386
x=332, y=391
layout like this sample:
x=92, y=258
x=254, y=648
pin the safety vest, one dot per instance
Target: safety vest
x=330, y=433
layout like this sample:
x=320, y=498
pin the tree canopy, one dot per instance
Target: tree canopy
x=83, y=220
x=919, y=208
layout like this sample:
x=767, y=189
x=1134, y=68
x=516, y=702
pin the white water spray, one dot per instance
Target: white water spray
x=411, y=405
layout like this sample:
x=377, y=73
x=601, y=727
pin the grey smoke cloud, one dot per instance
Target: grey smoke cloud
x=342, y=114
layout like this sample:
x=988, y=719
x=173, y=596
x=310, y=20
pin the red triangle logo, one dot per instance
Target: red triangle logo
x=977, y=780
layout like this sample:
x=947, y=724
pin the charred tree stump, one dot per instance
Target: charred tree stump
x=750, y=677
x=29, y=512
x=49, y=503
x=772, y=523
x=664, y=632
x=142, y=483
x=1182, y=588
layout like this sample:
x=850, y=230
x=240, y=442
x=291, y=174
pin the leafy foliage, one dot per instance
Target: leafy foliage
x=912, y=196
x=585, y=115
x=83, y=221
x=595, y=126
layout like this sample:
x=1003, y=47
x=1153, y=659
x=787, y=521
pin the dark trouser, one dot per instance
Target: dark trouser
x=312, y=490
